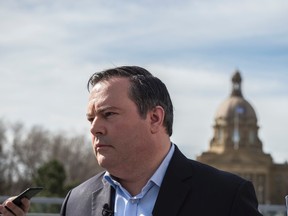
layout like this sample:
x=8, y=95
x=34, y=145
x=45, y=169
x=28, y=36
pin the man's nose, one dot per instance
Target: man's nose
x=97, y=127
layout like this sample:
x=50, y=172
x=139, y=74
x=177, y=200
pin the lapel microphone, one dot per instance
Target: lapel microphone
x=107, y=211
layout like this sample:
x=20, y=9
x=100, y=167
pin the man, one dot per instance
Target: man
x=131, y=117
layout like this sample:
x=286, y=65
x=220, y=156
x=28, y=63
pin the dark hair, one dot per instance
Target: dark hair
x=146, y=90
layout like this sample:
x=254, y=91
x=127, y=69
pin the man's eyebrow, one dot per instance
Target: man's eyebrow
x=104, y=108
x=88, y=115
x=101, y=109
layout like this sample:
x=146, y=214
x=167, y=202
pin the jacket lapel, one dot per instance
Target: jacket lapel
x=173, y=190
x=100, y=198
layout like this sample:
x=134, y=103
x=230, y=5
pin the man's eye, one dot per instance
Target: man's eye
x=90, y=120
x=108, y=114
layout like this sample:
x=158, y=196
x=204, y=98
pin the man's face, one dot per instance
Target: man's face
x=120, y=137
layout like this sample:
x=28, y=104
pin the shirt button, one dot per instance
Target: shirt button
x=133, y=201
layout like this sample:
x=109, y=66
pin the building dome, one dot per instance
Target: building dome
x=235, y=147
x=236, y=105
x=235, y=124
x=233, y=106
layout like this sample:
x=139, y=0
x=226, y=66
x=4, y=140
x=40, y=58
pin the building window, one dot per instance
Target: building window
x=251, y=137
x=236, y=138
x=220, y=134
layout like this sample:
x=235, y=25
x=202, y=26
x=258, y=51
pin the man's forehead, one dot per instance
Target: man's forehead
x=109, y=91
x=113, y=81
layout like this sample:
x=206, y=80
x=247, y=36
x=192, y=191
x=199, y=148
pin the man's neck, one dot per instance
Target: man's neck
x=134, y=180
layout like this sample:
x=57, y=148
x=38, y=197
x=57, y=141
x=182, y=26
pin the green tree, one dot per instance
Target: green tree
x=51, y=176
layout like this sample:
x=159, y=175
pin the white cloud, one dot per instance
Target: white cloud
x=49, y=49
x=195, y=22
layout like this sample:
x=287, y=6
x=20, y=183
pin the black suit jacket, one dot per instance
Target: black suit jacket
x=188, y=188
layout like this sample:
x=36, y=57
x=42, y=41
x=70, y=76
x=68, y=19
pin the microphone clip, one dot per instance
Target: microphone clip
x=107, y=211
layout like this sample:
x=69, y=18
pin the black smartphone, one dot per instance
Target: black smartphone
x=28, y=193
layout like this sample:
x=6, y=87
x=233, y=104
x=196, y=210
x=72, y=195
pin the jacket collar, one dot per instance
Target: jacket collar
x=102, y=197
x=173, y=190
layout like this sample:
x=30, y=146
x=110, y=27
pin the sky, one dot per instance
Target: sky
x=48, y=50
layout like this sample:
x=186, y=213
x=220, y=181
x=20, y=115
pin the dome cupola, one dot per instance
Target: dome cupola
x=236, y=104
x=235, y=122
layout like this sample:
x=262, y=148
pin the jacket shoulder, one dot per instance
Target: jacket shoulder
x=91, y=184
x=224, y=192
x=78, y=200
x=198, y=171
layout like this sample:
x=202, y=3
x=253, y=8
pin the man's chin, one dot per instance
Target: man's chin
x=102, y=161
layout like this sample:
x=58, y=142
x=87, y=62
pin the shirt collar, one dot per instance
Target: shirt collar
x=157, y=177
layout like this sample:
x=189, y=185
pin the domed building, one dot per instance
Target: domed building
x=236, y=147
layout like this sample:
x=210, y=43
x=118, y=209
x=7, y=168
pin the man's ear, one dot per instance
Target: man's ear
x=156, y=116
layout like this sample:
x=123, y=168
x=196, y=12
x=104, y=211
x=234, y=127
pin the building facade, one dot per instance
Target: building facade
x=236, y=147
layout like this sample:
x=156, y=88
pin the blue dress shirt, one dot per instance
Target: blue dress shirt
x=142, y=204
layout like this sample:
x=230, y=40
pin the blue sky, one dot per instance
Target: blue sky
x=48, y=50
